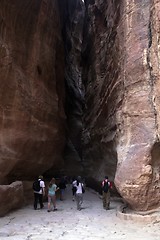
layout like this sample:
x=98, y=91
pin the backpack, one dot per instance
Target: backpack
x=105, y=187
x=83, y=190
x=36, y=185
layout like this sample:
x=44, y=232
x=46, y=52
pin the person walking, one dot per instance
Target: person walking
x=74, y=188
x=39, y=192
x=62, y=187
x=52, y=188
x=79, y=193
x=106, y=185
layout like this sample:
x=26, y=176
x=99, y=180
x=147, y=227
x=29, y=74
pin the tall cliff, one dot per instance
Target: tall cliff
x=41, y=93
x=32, y=118
x=121, y=76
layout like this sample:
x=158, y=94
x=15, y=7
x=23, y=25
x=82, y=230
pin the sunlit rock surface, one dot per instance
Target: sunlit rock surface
x=121, y=75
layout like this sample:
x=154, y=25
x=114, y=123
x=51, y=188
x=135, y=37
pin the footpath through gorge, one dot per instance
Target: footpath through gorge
x=67, y=223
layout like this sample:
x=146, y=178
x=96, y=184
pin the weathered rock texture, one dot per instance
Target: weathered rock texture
x=11, y=197
x=138, y=147
x=72, y=16
x=32, y=89
x=121, y=76
x=40, y=52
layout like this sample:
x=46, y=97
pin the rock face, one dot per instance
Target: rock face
x=32, y=119
x=121, y=76
x=103, y=88
x=138, y=146
x=11, y=197
x=72, y=16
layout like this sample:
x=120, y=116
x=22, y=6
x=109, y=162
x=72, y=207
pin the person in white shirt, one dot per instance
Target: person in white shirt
x=38, y=195
x=79, y=193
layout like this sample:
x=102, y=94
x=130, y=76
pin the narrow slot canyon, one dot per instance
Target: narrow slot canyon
x=80, y=96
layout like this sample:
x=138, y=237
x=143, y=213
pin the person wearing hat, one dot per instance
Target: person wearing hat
x=39, y=192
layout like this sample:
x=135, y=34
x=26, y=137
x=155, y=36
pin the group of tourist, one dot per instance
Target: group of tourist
x=77, y=192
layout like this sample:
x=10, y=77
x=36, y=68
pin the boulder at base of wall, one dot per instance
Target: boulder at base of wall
x=11, y=197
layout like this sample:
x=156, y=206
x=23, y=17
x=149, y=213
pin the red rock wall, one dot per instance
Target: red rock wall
x=121, y=74
x=32, y=89
x=138, y=145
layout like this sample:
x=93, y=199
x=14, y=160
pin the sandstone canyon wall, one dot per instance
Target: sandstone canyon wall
x=40, y=124
x=42, y=97
x=121, y=76
x=32, y=118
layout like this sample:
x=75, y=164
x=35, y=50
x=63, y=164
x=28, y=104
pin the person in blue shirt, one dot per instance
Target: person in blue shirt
x=52, y=188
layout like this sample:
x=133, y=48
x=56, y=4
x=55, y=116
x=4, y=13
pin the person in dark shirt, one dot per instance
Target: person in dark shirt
x=106, y=185
x=62, y=187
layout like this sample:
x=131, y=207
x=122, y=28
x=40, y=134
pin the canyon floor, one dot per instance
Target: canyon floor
x=67, y=223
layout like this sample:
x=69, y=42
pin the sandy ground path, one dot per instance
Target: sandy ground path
x=91, y=223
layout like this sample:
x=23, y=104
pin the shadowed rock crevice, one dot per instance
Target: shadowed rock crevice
x=103, y=89
x=72, y=29
x=155, y=185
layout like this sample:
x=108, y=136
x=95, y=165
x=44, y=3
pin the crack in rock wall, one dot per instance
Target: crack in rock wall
x=72, y=15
